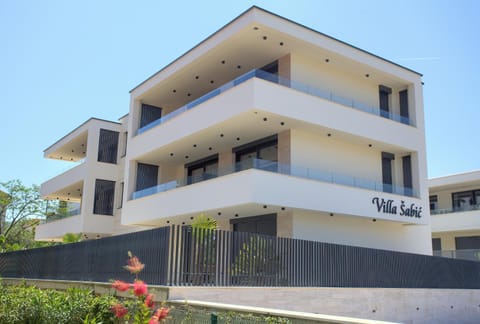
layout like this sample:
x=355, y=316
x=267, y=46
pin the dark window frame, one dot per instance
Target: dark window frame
x=384, y=93
x=107, y=146
x=256, y=219
x=255, y=146
x=140, y=184
x=202, y=163
x=467, y=242
x=149, y=114
x=436, y=244
x=433, y=199
x=407, y=174
x=125, y=143
x=387, y=171
x=404, y=109
x=473, y=199
x=104, y=200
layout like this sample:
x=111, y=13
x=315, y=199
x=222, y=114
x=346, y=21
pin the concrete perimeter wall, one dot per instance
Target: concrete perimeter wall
x=385, y=304
x=406, y=305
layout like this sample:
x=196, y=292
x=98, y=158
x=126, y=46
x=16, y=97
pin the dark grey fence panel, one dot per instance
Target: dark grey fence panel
x=97, y=260
x=183, y=256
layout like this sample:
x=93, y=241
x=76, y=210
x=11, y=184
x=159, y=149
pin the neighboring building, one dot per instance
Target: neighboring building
x=270, y=127
x=455, y=210
x=87, y=191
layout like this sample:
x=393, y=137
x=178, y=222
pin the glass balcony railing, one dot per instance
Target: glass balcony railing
x=63, y=214
x=271, y=166
x=454, y=210
x=299, y=86
x=473, y=255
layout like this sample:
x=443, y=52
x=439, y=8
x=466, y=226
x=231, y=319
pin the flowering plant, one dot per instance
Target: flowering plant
x=142, y=309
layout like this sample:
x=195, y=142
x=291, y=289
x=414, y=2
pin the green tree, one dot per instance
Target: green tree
x=22, y=210
x=71, y=237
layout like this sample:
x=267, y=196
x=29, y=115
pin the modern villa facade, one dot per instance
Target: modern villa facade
x=455, y=210
x=268, y=127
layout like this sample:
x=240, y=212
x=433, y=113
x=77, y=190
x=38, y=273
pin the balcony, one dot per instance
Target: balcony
x=292, y=84
x=455, y=210
x=472, y=255
x=62, y=215
x=285, y=169
x=57, y=185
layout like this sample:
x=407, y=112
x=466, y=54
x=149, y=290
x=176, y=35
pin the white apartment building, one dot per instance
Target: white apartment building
x=269, y=127
x=89, y=190
x=455, y=210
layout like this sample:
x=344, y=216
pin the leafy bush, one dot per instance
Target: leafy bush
x=22, y=304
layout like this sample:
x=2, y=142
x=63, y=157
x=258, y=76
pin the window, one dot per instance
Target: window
x=104, y=196
x=147, y=176
x=272, y=69
x=149, y=114
x=107, y=146
x=262, y=154
x=407, y=175
x=384, y=98
x=465, y=200
x=433, y=202
x=202, y=169
x=403, y=97
x=467, y=243
x=120, y=202
x=436, y=244
x=125, y=142
x=387, y=172
x=264, y=224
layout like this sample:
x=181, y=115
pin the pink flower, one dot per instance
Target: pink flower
x=119, y=310
x=153, y=320
x=149, y=301
x=134, y=265
x=120, y=285
x=139, y=288
x=159, y=315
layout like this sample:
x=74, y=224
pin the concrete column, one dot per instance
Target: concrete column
x=226, y=162
x=284, y=149
x=285, y=224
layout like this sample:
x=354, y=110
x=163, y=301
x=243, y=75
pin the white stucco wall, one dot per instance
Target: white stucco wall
x=364, y=232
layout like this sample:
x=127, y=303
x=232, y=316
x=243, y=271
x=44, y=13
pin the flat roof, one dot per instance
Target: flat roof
x=81, y=125
x=283, y=18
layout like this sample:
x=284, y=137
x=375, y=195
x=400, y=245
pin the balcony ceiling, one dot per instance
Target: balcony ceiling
x=251, y=47
x=73, y=150
x=71, y=193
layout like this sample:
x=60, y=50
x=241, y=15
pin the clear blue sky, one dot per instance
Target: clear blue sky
x=62, y=62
